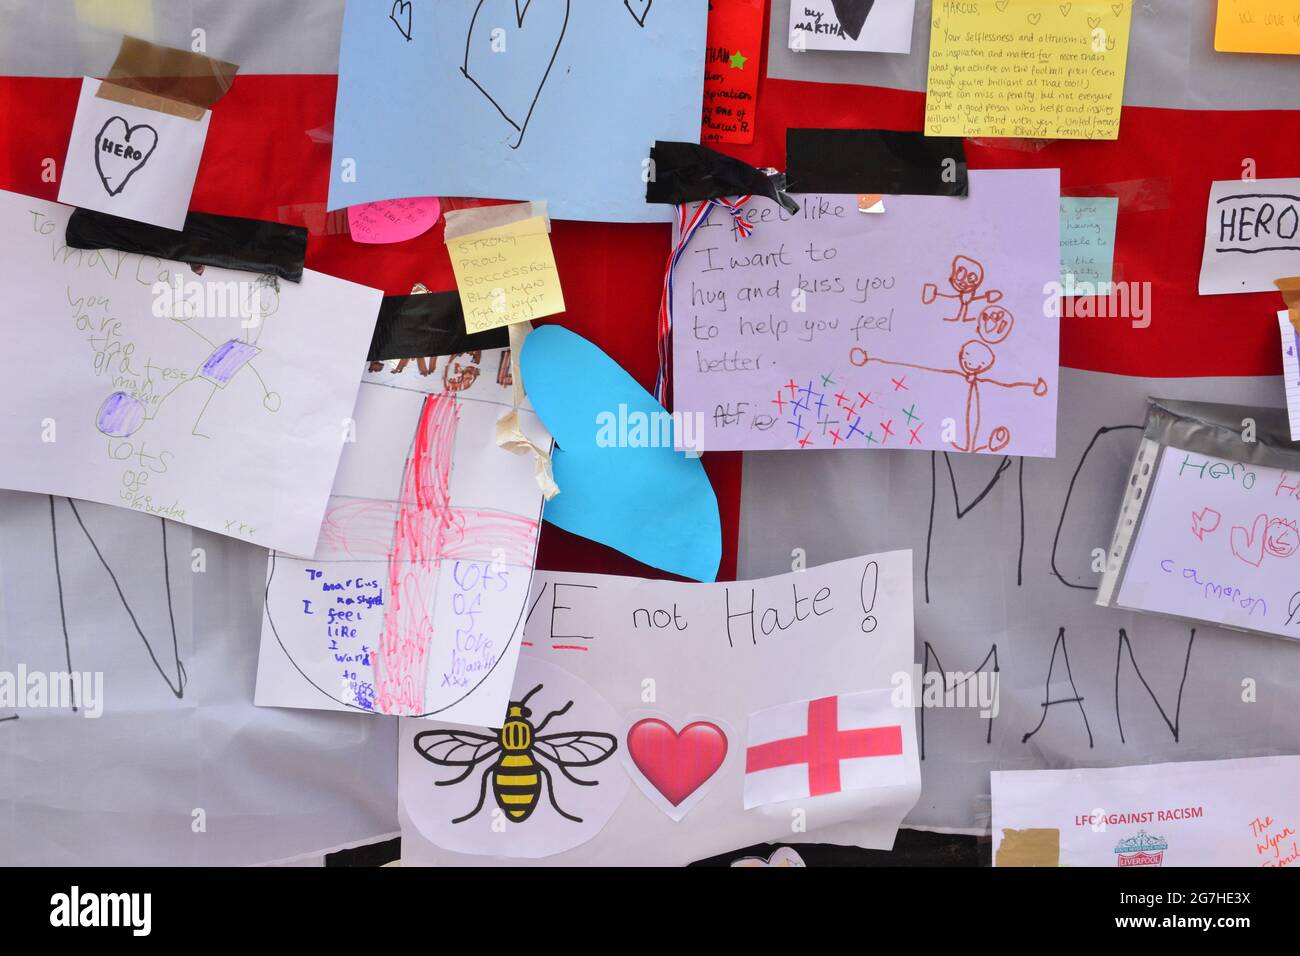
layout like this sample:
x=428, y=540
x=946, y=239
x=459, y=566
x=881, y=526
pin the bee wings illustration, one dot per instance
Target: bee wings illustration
x=515, y=777
x=456, y=748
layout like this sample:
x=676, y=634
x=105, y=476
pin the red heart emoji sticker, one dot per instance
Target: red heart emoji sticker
x=677, y=763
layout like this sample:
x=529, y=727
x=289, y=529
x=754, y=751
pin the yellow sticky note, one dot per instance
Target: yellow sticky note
x=1257, y=26
x=133, y=17
x=1038, y=69
x=506, y=274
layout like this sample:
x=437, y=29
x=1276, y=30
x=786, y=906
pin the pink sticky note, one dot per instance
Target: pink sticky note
x=393, y=220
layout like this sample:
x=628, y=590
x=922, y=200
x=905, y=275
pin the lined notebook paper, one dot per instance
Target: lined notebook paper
x=1291, y=370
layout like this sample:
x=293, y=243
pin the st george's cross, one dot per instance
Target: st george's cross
x=828, y=745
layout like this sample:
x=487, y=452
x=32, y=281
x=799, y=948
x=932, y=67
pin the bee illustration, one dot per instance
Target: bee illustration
x=516, y=775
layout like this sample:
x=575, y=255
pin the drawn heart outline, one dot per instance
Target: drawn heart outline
x=645, y=10
x=676, y=763
x=129, y=131
x=485, y=83
x=401, y=7
x=1250, y=552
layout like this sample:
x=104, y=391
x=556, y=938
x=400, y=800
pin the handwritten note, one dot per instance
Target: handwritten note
x=731, y=70
x=1088, y=238
x=419, y=578
x=131, y=162
x=219, y=400
x=392, y=220
x=1257, y=26
x=1031, y=68
x=922, y=328
x=506, y=274
x=1276, y=844
x=1219, y=541
x=674, y=782
x=1252, y=235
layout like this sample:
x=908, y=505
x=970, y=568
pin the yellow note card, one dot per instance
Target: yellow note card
x=132, y=17
x=1039, y=69
x=506, y=274
x=1257, y=26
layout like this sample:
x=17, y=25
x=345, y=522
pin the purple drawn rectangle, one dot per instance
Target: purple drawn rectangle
x=228, y=359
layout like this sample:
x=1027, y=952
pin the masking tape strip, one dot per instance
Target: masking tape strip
x=510, y=435
x=1290, y=289
x=1135, y=195
x=464, y=222
x=165, y=79
x=1040, y=846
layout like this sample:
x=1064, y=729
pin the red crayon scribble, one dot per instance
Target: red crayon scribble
x=426, y=516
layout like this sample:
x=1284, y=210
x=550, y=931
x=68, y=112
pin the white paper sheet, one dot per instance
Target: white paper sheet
x=132, y=162
x=1243, y=812
x=230, y=420
x=413, y=601
x=179, y=768
x=702, y=659
x=883, y=26
x=1218, y=542
x=1252, y=235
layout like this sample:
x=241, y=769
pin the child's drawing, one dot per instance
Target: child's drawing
x=509, y=52
x=975, y=357
x=965, y=279
x=121, y=150
x=420, y=575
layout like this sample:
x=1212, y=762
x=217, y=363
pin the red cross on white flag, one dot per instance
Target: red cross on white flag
x=828, y=745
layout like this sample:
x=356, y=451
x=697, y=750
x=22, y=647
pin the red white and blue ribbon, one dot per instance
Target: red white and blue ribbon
x=688, y=224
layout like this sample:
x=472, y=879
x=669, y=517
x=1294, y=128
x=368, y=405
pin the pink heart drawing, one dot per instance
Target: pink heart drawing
x=1249, y=545
x=676, y=763
x=1205, y=521
x=509, y=52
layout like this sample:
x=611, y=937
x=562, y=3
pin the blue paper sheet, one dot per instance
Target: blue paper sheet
x=646, y=500
x=1087, y=238
x=469, y=98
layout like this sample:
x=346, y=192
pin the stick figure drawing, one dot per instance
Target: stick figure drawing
x=966, y=277
x=975, y=358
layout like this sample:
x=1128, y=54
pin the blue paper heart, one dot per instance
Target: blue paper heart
x=647, y=500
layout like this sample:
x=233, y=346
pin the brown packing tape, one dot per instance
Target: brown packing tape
x=1034, y=847
x=165, y=79
x=148, y=101
x=1290, y=289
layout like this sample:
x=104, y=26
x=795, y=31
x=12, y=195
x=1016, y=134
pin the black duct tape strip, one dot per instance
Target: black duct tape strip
x=882, y=161
x=688, y=172
x=228, y=242
x=427, y=324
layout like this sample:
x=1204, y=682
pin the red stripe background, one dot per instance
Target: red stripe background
x=268, y=156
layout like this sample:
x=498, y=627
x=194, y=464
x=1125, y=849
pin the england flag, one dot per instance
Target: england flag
x=828, y=745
